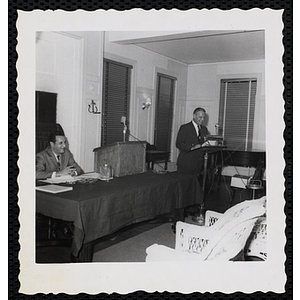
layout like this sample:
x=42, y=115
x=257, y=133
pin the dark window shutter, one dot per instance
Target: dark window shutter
x=45, y=118
x=115, y=101
x=236, y=112
x=45, y=107
x=164, y=112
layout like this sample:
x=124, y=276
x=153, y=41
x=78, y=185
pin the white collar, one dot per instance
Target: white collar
x=56, y=155
x=196, y=126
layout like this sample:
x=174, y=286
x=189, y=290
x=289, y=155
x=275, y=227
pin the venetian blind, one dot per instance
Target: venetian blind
x=236, y=113
x=164, y=112
x=115, y=100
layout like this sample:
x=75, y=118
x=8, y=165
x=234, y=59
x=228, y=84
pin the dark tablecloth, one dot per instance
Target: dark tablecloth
x=100, y=208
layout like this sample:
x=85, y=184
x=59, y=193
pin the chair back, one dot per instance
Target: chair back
x=232, y=242
x=241, y=212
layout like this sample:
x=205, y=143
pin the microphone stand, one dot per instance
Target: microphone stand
x=124, y=131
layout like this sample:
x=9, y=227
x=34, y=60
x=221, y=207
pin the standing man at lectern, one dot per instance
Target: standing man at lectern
x=191, y=136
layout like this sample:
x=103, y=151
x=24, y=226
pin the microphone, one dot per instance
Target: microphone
x=217, y=128
x=123, y=119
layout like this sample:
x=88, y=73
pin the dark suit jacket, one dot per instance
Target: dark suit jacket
x=46, y=163
x=189, y=161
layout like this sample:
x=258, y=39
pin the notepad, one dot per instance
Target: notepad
x=54, y=189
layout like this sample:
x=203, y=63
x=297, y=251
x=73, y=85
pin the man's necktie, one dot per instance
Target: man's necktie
x=199, y=132
x=58, y=161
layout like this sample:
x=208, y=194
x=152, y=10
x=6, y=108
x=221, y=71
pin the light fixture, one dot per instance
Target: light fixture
x=147, y=103
x=92, y=108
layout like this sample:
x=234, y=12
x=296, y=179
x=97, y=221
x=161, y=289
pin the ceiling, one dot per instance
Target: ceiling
x=205, y=46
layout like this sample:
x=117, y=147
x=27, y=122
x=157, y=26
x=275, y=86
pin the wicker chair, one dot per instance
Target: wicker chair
x=256, y=245
x=224, y=239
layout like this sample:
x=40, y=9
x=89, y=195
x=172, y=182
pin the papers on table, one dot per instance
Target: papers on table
x=70, y=179
x=61, y=179
x=54, y=189
x=92, y=175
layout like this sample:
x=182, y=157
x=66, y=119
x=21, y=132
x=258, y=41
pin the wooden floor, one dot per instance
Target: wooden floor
x=218, y=199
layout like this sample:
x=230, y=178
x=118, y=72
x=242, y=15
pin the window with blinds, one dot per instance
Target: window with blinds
x=236, y=112
x=164, y=112
x=115, y=100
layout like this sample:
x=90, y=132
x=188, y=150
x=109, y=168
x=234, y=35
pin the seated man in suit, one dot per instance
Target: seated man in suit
x=56, y=160
x=191, y=136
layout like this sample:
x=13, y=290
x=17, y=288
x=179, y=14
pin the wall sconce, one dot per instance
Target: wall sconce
x=92, y=108
x=147, y=103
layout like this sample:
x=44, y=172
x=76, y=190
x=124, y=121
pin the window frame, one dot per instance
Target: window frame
x=251, y=109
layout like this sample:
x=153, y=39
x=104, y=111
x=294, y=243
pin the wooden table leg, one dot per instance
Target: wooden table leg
x=166, y=164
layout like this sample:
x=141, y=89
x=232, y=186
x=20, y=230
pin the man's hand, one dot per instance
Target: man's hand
x=196, y=147
x=72, y=171
x=205, y=144
x=67, y=171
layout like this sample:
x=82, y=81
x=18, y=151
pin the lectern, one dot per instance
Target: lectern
x=125, y=158
x=207, y=151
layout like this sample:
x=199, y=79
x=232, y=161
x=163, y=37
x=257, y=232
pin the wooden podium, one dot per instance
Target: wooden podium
x=125, y=158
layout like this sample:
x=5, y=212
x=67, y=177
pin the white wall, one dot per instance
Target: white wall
x=70, y=64
x=58, y=70
x=92, y=90
x=146, y=64
x=203, y=89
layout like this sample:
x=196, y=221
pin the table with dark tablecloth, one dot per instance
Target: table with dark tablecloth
x=101, y=208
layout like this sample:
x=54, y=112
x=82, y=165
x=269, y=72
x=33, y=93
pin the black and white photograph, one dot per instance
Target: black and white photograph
x=151, y=151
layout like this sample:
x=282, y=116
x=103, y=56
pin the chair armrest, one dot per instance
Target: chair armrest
x=158, y=253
